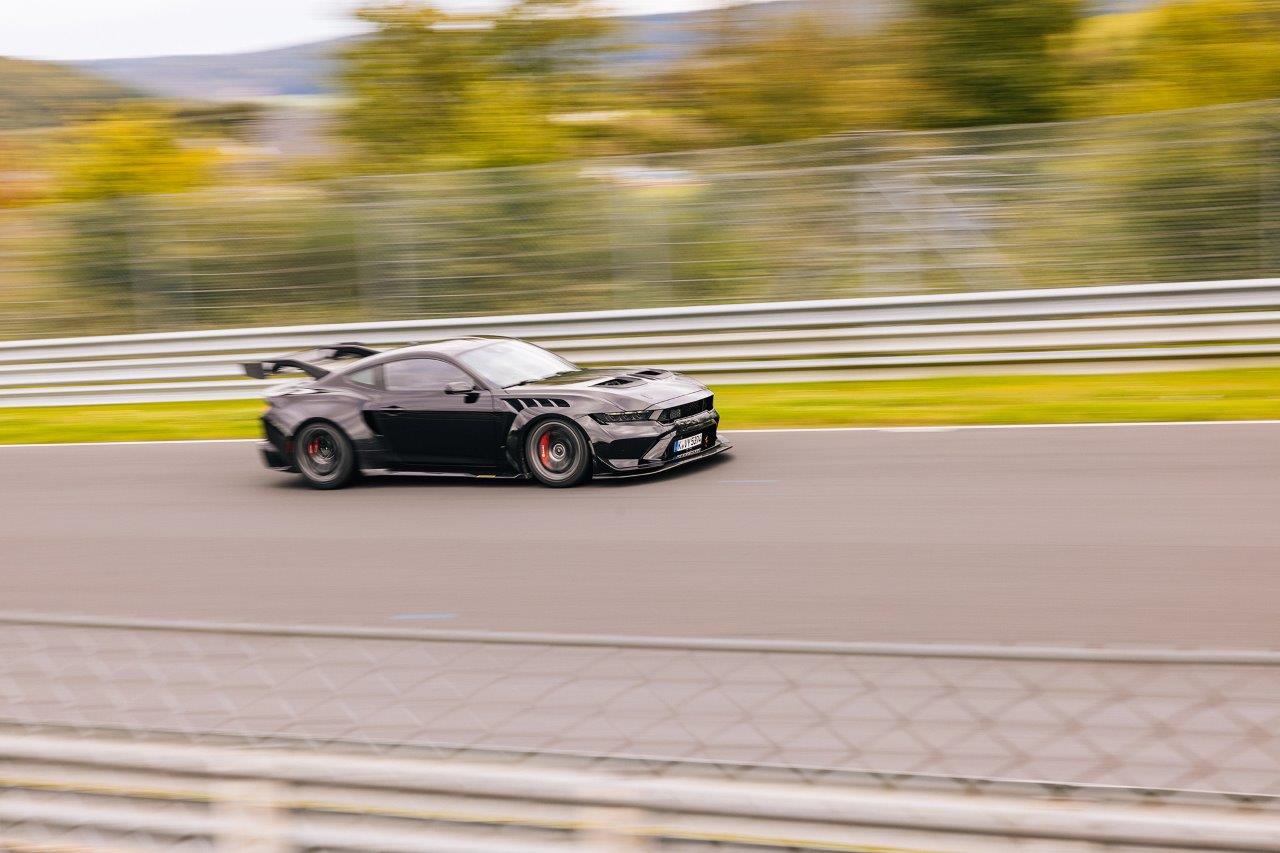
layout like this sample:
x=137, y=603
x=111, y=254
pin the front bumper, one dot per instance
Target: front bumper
x=646, y=447
x=607, y=469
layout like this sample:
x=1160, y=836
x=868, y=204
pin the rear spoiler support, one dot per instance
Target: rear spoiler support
x=306, y=361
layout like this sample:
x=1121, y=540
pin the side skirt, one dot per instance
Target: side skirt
x=396, y=472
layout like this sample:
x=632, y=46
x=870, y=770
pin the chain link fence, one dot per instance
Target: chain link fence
x=1143, y=720
x=1190, y=195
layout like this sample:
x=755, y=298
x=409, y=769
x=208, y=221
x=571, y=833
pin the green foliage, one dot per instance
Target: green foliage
x=430, y=89
x=991, y=61
x=802, y=78
x=115, y=162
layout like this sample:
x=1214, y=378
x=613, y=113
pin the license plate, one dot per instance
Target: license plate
x=690, y=443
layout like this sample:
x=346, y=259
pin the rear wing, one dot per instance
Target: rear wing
x=313, y=362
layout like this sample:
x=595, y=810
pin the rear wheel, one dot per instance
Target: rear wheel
x=324, y=456
x=558, y=454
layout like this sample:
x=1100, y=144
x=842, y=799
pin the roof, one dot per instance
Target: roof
x=449, y=346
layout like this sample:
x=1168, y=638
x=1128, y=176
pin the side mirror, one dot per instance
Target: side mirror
x=459, y=388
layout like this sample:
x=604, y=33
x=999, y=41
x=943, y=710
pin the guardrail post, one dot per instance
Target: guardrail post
x=613, y=830
x=249, y=817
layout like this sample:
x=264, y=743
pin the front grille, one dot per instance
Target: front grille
x=684, y=410
x=630, y=448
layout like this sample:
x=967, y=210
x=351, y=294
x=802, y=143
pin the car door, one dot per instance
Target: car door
x=425, y=425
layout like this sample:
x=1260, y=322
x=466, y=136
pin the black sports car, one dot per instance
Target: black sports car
x=479, y=406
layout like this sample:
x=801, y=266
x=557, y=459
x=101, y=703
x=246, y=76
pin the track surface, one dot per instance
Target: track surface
x=1134, y=535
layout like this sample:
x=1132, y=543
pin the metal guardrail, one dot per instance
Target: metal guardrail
x=90, y=795
x=743, y=710
x=1073, y=328
x=120, y=734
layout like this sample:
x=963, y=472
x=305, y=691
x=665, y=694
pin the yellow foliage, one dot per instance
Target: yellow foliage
x=506, y=123
x=1186, y=53
x=131, y=153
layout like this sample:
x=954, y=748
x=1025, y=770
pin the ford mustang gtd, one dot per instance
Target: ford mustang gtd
x=478, y=406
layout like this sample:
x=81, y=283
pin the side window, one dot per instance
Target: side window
x=420, y=374
x=369, y=376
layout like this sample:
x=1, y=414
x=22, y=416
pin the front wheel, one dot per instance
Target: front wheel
x=324, y=456
x=558, y=454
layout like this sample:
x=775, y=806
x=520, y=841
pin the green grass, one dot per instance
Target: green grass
x=1238, y=394
x=135, y=422
x=1245, y=394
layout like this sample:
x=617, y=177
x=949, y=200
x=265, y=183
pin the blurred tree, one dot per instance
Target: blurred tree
x=805, y=77
x=118, y=161
x=1200, y=197
x=1181, y=54
x=503, y=123
x=990, y=61
x=428, y=88
x=131, y=153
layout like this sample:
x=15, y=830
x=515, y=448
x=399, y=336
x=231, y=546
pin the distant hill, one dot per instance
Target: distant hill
x=42, y=94
x=301, y=70
x=308, y=69
x=646, y=41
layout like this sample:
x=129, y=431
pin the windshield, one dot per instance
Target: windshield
x=508, y=363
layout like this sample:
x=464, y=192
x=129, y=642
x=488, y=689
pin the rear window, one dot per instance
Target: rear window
x=370, y=376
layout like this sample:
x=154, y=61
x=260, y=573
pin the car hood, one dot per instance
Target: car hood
x=629, y=387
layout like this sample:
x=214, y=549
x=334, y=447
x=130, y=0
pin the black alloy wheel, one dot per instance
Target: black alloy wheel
x=324, y=456
x=558, y=454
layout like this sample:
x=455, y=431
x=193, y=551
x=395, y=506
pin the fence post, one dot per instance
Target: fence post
x=249, y=817
x=612, y=830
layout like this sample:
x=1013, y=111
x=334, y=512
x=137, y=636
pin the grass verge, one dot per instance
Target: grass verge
x=1239, y=394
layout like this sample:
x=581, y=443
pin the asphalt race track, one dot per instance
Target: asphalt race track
x=1123, y=535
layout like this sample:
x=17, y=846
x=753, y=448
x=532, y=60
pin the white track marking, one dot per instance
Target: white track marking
x=943, y=428
x=136, y=443
x=934, y=428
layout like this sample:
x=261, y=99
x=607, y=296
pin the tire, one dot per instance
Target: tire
x=557, y=453
x=324, y=456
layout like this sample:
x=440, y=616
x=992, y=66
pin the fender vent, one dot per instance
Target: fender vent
x=522, y=403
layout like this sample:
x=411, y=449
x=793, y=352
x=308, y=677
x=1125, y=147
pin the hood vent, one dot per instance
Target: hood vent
x=632, y=378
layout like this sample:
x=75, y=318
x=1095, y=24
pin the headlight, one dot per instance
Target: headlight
x=621, y=417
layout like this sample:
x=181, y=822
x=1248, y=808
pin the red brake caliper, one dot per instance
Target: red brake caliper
x=314, y=447
x=544, y=448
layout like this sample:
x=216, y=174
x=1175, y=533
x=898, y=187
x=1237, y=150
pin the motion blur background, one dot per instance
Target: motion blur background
x=541, y=156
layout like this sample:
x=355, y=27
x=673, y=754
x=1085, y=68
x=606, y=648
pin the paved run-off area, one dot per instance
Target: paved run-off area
x=1154, y=535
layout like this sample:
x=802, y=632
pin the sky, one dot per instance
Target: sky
x=101, y=29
